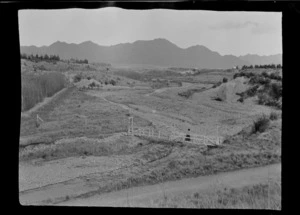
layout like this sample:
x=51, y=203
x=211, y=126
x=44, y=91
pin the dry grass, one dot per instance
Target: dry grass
x=76, y=114
x=73, y=148
x=260, y=196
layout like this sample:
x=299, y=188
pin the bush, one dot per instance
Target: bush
x=265, y=99
x=270, y=95
x=259, y=80
x=217, y=84
x=265, y=74
x=276, y=90
x=185, y=94
x=225, y=80
x=236, y=75
x=113, y=82
x=77, y=78
x=92, y=84
x=273, y=116
x=252, y=91
x=261, y=124
x=245, y=74
x=241, y=100
x=275, y=77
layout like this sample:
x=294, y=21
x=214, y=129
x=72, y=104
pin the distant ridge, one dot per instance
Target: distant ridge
x=159, y=52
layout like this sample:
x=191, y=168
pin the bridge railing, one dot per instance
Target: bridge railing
x=179, y=136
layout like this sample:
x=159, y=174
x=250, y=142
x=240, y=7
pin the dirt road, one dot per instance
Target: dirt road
x=144, y=196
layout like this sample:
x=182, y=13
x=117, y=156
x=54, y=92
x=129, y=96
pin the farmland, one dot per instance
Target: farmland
x=81, y=149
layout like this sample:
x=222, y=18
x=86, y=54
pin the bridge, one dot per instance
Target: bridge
x=173, y=135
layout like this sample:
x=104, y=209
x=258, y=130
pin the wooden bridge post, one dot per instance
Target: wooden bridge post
x=130, y=126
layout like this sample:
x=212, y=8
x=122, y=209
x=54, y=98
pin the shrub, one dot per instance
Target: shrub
x=263, y=99
x=273, y=116
x=271, y=95
x=185, y=94
x=92, y=84
x=259, y=80
x=249, y=74
x=113, y=82
x=261, y=124
x=252, y=91
x=265, y=74
x=276, y=90
x=217, y=84
x=77, y=78
x=241, y=100
x=218, y=99
x=42, y=67
x=275, y=77
x=225, y=80
x=236, y=75
x=245, y=74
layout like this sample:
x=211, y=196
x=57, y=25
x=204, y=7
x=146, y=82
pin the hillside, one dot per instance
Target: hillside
x=160, y=52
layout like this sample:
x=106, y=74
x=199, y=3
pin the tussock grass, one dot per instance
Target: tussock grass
x=36, y=88
x=260, y=196
x=261, y=124
x=79, y=147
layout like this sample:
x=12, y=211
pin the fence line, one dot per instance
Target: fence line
x=179, y=136
x=38, y=118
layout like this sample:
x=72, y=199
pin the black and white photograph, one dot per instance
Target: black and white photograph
x=157, y=108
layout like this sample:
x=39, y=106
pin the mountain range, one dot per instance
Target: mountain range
x=159, y=52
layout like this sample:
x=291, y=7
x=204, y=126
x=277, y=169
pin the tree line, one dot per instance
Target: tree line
x=46, y=57
x=40, y=57
x=78, y=61
x=265, y=66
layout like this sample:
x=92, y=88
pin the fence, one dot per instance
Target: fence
x=173, y=136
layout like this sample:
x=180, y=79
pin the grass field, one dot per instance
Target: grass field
x=260, y=196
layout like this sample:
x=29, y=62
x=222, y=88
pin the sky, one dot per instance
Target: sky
x=236, y=33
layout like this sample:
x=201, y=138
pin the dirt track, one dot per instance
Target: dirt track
x=144, y=196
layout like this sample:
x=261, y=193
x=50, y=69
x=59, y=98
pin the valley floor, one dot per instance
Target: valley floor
x=82, y=152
